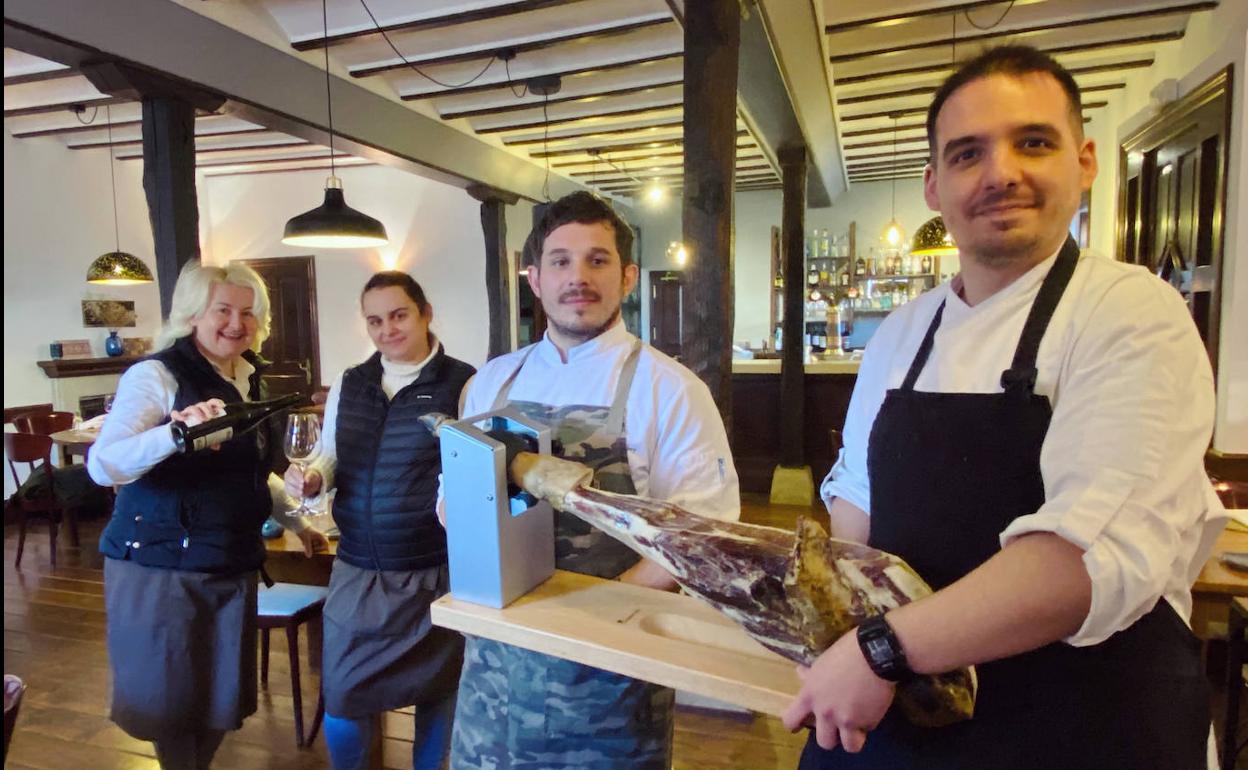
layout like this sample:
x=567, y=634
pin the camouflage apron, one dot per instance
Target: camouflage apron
x=523, y=709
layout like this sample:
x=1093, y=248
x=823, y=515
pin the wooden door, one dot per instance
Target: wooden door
x=293, y=345
x=1172, y=195
x=666, y=298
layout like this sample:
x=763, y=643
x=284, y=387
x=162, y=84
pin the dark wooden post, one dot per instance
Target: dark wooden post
x=792, y=365
x=712, y=43
x=169, y=109
x=497, y=271
x=169, y=183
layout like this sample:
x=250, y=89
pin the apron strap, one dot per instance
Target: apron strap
x=1020, y=378
x=500, y=400
x=925, y=349
x=615, y=417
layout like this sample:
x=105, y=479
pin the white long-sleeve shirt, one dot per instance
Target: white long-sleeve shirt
x=677, y=447
x=136, y=435
x=1133, y=407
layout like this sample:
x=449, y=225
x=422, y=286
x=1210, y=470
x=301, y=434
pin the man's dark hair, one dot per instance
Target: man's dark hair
x=387, y=278
x=1013, y=60
x=584, y=208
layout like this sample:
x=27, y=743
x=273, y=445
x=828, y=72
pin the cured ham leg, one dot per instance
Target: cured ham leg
x=794, y=592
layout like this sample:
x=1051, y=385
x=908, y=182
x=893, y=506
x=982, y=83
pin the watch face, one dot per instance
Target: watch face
x=879, y=650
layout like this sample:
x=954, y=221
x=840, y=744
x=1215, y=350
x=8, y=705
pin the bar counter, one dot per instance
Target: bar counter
x=756, y=415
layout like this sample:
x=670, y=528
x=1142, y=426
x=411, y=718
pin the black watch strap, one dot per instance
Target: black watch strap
x=882, y=650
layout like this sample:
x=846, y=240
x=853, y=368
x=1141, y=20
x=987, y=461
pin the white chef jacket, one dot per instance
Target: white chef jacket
x=677, y=447
x=136, y=435
x=1133, y=407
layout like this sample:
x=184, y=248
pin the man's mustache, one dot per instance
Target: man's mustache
x=1004, y=198
x=569, y=296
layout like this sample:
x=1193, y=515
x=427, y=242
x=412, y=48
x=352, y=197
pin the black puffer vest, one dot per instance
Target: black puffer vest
x=202, y=511
x=388, y=465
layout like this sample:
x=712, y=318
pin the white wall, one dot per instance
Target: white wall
x=1214, y=39
x=58, y=218
x=435, y=234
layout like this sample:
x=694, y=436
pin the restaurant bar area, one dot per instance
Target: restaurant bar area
x=626, y=385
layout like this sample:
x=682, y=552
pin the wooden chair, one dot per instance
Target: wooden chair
x=11, y=413
x=45, y=423
x=288, y=606
x=14, y=688
x=30, y=448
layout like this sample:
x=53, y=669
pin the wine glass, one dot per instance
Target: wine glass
x=303, y=431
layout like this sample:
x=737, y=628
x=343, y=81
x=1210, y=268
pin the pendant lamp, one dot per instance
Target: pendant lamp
x=116, y=268
x=333, y=224
x=933, y=240
x=893, y=234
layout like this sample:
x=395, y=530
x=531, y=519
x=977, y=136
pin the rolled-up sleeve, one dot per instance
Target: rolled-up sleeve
x=1122, y=460
x=136, y=434
x=848, y=478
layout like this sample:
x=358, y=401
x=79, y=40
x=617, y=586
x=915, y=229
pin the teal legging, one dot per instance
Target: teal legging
x=349, y=739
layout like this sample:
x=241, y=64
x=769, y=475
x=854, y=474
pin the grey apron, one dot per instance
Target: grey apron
x=381, y=651
x=182, y=646
x=523, y=709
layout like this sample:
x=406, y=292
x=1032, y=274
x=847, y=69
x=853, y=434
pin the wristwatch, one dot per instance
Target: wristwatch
x=882, y=650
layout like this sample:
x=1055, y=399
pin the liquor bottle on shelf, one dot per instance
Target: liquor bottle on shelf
x=926, y=264
x=238, y=419
x=823, y=277
x=825, y=245
x=844, y=279
x=861, y=266
x=812, y=277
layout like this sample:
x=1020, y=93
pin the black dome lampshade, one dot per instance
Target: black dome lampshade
x=932, y=239
x=117, y=268
x=334, y=224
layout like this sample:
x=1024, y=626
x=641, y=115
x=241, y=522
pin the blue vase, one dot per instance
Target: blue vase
x=113, y=345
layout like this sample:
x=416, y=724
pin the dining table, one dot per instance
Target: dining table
x=75, y=441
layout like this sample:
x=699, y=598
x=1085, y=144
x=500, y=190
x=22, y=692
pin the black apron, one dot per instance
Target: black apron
x=949, y=472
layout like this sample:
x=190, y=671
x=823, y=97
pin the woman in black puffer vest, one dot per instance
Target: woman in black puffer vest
x=381, y=651
x=183, y=545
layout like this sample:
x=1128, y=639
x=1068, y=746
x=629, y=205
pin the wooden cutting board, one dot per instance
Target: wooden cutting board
x=664, y=638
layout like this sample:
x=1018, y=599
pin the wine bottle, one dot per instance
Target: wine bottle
x=239, y=418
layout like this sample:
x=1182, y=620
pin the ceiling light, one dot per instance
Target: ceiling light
x=117, y=268
x=932, y=239
x=333, y=224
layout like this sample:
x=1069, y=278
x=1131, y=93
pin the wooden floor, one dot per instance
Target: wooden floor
x=54, y=640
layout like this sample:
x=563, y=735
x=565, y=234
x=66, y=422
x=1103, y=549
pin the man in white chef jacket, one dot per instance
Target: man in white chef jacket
x=1030, y=438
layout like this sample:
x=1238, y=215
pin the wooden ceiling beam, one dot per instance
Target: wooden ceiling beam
x=645, y=173
x=1109, y=18
x=923, y=111
x=239, y=148
x=673, y=123
x=1122, y=42
x=573, y=119
x=928, y=90
x=43, y=109
x=609, y=148
x=499, y=11
x=324, y=157
x=134, y=142
x=592, y=69
x=481, y=111
x=41, y=76
x=314, y=167
x=893, y=18
x=514, y=48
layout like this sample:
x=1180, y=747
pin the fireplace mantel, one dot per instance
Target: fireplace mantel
x=86, y=367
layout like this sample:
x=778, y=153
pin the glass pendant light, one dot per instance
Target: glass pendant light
x=333, y=224
x=117, y=268
x=932, y=239
x=893, y=235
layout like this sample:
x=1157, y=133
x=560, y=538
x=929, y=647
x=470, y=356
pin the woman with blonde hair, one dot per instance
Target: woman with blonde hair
x=183, y=546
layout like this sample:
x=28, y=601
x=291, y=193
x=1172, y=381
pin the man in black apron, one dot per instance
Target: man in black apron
x=1061, y=512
